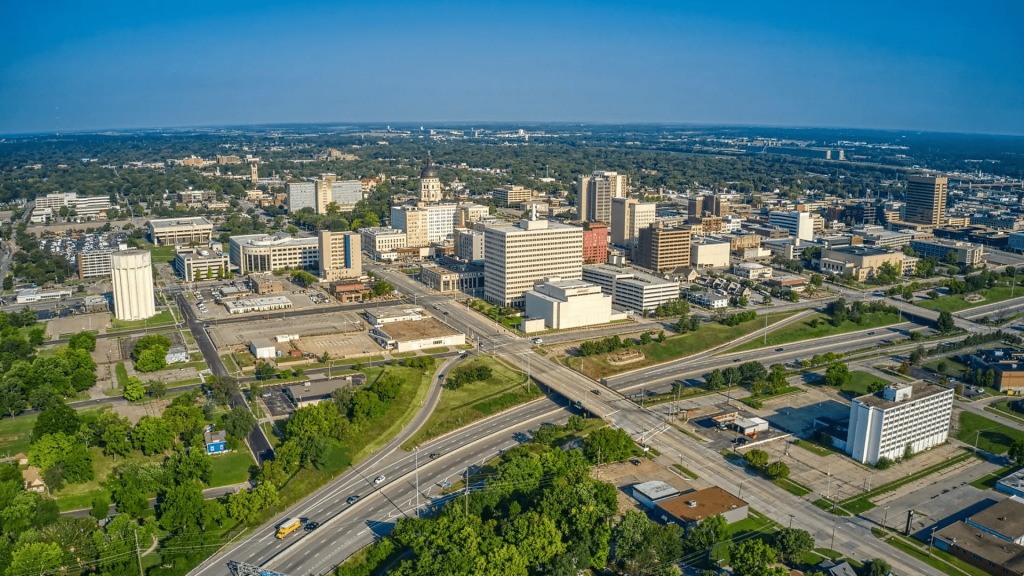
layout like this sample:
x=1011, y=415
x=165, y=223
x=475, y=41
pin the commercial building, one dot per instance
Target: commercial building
x=595, y=195
x=469, y=212
x=1016, y=242
x=861, y=262
x=629, y=216
x=752, y=271
x=94, y=264
x=966, y=253
x=691, y=508
x=265, y=284
x=340, y=255
x=660, y=248
x=709, y=300
x=313, y=392
x=799, y=224
x=131, y=273
x=879, y=237
x=469, y=244
x=430, y=183
x=267, y=253
x=992, y=539
x=653, y=491
x=301, y=195
x=193, y=264
x=707, y=205
x=709, y=252
x=30, y=295
x=412, y=335
x=425, y=223
x=1006, y=363
x=519, y=256
x=381, y=316
x=91, y=304
x=595, y=242
x=568, y=303
x=85, y=207
x=262, y=348
x=382, y=242
x=901, y=417
x=1012, y=484
x=452, y=278
x=171, y=231
x=926, y=200
x=265, y=304
x=510, y=195
x=630, y=288
x=346, y=192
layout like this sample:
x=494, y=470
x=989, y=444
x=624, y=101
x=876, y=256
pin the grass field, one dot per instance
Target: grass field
x=1004, y=408
x=457, y=408
x=989, y=482
x=794, y=488
x=77, y=496
x=859, y=382
x=812, y=447
x=675, y=347
x=437, y=350
x=15, y=433
x=954, y=369
x=164, y=318
x=802, y=330
x=160, y=253
x=957, y=303
x=231, y=468
x=122, y=375
x=990, y=435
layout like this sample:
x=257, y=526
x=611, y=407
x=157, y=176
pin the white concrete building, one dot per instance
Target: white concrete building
x=440, y=221
x=653, y=491
x=172, y=231
x=412, y=335
x=469, y=244
x=629, y=216
x=266, y=253
x=709, y=252
x=708, y=300
x=519, y=256
x=262, y=348
x=265, y=304
x=732, y=223
x=886, y=423
x=568, y=303
x=752, y=270
x=382, y=242
x=86, y=207
x=301, y=195
x=799, y=224
x=630, y=288
x=346, y=192
x=131, y=273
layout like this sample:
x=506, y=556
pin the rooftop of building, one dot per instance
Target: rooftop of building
x=985, y=545
x=517, y=229
x=412, y=330
x=278, y=239
x=567, y=284
x=752, y=265
x=183, y=221
x=380, y=231
x=393, y=312
x=698, y=505
x=261, y=343
x=944, y=242
x=320, y=388
x=920, y=390
x=655, y=489
x=861, y=250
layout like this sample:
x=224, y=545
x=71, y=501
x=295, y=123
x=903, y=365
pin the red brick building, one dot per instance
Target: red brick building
x=595, y=243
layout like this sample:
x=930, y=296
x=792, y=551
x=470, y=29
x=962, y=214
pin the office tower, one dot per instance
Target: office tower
x=340, y=255
x=430, y=183
x=720, y=206
x=301, y=195
x=254, y=173
x=595, y=243
x=799, y=224
x=270, y=252
x=511, y=195
x=660, y=248
x=425, y=223
x=519, y=256
x=629, y=216
x=595, y=195
x=131, y=273
x=346, y=192
x=926, y=199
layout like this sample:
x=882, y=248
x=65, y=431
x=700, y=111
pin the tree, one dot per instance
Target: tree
x=879, y=567
x=382, y=288
x=816, y=280
x=222, y=388
x=714, y=380
x=157, y=389
x=100, y=506
x=777, y=470
x=945, y=322
x=1016, y=451
x=792, y=544
x=36, y=558
x=607, y=445
x=837, y=375
x=134, y=390
x=152, y=435
x=645, y=338
x=83, y=341
x=266, y=371
x=115, y=441
x=756, y=458
x=195, y=464
x=57, y=418
x=12, y=398
x=706, y=533
x=240, y=422
x=752, y=558
x=661, y=336
x=181, y=507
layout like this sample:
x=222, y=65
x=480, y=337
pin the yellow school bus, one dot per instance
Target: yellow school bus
x=287, y=527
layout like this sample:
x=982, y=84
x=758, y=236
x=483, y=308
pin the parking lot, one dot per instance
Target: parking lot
x=277, y=402
x=329, y=324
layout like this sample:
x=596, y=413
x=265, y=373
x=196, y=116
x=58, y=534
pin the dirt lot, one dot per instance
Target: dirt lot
x=135, y=412
x=78, y=323
x=625, y=474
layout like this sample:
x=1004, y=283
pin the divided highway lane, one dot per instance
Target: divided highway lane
x=343, y=527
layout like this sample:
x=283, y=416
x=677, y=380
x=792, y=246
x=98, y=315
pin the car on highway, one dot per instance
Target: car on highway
x=434, y=455
x=463, y=356
x=779, y=349
x=872, y=333
x=310, y=526
x=352, y=499
x=378, y=479
x=596, y=392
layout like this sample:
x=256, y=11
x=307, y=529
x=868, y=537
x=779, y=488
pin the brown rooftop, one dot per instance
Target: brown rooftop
x=410, y=330
x=1005, y=517
x=978, y=542
x=708, y=502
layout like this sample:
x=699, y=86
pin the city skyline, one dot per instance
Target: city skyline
x=934, y=67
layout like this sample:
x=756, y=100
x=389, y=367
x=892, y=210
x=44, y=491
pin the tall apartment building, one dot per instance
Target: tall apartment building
x=966, y=253
x=94, y=264
x=629, y=216
x=902, y=415
x=595, y=243
x=346, y=192
x=430, y=183
x=171, y=231
x=926, y=200
x=382, y=242
x=595, y=195
x=340, y=255
x=799, y=224
x=301, y=195
x=707, y=205
x=630, y=288
x=425, y=223
x=266, y=253
x=660, y=248
x=519, y=256
x=511, y=195
x=324, y=192
x=131, y=274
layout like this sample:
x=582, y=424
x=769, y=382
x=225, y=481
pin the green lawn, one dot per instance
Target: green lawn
x=77, y=496
x=122, y=375
x=16, y=432
x=674, y=347
x=164, y=318
x=457, y=408
x=991, y=436
x=794, y=488
x=438, y=350
x=685, y=470
x=812, y=447
x=231, y=468
x=989, y=482
x=1004, y=408
x=954, y=369
x=859, y=382
x=161, y=253
x=957, y=303
x=801, y=330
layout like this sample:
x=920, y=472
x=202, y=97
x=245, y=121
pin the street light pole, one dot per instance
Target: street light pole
x=416, y=459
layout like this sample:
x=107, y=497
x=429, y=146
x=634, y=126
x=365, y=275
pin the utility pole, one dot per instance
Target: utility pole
x=885, y=516
x=416, y=459
x=766, y=328
x=137, y=553
x=467, y=490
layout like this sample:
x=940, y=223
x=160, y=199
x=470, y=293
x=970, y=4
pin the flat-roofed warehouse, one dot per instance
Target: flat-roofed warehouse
x=414, y=335
x=692, y=507
x=171, y=231
x=316, y=391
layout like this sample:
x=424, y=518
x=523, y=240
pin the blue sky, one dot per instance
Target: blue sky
x=936, y=66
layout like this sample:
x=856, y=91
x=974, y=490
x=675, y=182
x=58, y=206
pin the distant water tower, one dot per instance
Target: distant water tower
x=131, y=272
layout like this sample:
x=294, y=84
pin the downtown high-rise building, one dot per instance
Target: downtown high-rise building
x=629, y=216
x=519, y=256
x=660, y=248
x=596, y=192
x=926, y=200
